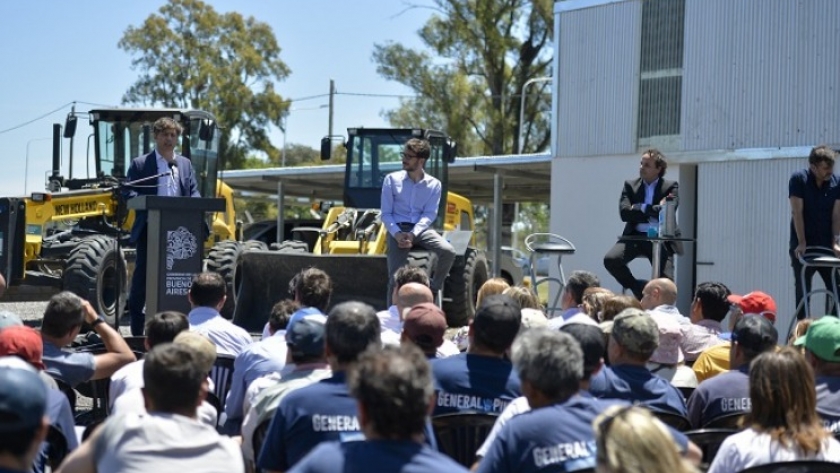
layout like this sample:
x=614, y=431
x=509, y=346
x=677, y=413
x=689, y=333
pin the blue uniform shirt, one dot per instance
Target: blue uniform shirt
x=726, y=393
x=383, y=456
x=317, y=413
x=818, y=203
x=468, y=382
x=637, y=384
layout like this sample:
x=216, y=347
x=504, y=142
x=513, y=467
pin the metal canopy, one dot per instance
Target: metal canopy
x=526, y=178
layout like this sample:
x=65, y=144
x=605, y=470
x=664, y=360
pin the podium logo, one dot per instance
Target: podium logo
x=180, y=245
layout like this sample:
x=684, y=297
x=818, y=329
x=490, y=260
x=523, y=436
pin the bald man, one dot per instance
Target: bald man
x=409, y=295
x=659, y=298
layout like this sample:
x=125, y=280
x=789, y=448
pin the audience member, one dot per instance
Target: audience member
x=22, y=346
x=799, y=330
x=822, y=351
x=207, y=297
x=324, y=410
x=62, y=322
x=632, y=440
x=491, y=287
x=708, y=309
x=409, y=295
x=634, y=338
x=424, y=326
x=783, y=424
x=525, y=297
x=305, y=342
x=729, y=392
x=126, y=390
x=715, y=360
x=667, y=361
x=659, y=296
x=257, y=360
x=24, y=425
x=591, y=341
x=572, y=299
x=313, y=291
x=394, y=394
x=593, y=301
x=168, y=437
x=482, y=379
x=615, y=305
x=391, y=318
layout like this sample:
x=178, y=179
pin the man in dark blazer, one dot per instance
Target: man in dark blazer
x=180, y=183
x=641, y=200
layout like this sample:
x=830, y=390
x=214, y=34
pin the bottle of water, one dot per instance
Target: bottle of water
x=668, y=217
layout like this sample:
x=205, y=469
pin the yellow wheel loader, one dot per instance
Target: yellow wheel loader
x=350, y=244
x=74, y=235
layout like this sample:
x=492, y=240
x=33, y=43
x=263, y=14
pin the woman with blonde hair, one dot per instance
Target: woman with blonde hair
x=631, y=440
x=593, y=301
x=491, y=287
x=783, y=424
x=526, y=298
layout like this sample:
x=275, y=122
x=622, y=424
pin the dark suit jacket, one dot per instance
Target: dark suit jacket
x=146, y=166
x=633, y=195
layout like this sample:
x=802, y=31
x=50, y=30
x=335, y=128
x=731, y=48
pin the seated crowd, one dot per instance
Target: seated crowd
x=610, y=381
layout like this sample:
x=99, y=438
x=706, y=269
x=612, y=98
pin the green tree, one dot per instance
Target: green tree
x=191, y=56
x=482, y=54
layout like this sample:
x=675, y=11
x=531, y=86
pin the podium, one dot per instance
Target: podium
x=176, y=231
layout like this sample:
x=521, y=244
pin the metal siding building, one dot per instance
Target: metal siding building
x=758, y=86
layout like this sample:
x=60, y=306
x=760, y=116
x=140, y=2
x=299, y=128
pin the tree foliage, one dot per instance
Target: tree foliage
x=470, y=84
x=190, y=56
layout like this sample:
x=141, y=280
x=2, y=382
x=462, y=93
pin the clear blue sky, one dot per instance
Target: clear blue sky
x=57, y=52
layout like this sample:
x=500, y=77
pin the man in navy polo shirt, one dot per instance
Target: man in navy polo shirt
x=822, y=350
x=815, y=215
x=482, y=379
x=634, y=338
x=322, y=411
x=394, y=391
x=729, y=393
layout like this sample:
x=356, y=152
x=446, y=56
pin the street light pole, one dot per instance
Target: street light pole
x=26, y=167
x=522, y=108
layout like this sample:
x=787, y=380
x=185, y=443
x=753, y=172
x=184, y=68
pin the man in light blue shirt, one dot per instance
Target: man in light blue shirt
x=410, y=200
x=207, y=296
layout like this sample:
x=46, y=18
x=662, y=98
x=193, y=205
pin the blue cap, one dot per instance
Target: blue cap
x=23, y=399
x=305, y=335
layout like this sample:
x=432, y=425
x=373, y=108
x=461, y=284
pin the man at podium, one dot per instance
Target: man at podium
x=177, y=179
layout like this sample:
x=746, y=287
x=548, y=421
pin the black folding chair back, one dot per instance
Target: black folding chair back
x=259, y=437
x=222, y=375
x=676, y=421
x=69, y=392
x=459, y=435
x=728, y=421
x=56, y=447
x=709, y=441
x=802, y=466
x=686, y=392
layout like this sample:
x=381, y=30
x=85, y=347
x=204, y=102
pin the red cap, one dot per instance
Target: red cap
x=24, y=342
x=756, y=302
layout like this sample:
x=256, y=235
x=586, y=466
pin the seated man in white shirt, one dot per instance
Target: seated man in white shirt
x=391, y=318
x=660, y=296
x=207, y=296
x=126, y=390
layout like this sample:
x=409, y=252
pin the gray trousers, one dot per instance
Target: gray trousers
x=429, y=240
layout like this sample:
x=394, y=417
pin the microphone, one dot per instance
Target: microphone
x=173, y=166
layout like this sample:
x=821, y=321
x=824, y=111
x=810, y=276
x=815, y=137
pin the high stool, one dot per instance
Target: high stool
x=818, y=259
x=549, y=244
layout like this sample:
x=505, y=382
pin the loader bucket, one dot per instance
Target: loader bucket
x=265, y=276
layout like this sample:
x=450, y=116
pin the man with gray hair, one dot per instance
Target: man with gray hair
x=634, y=338
x=550, y=366
x=62, y=322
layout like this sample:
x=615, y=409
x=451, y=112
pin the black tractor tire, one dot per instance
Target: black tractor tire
x=222, y=259
x=291, y=246
x=466, y=277
x=96, y=272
